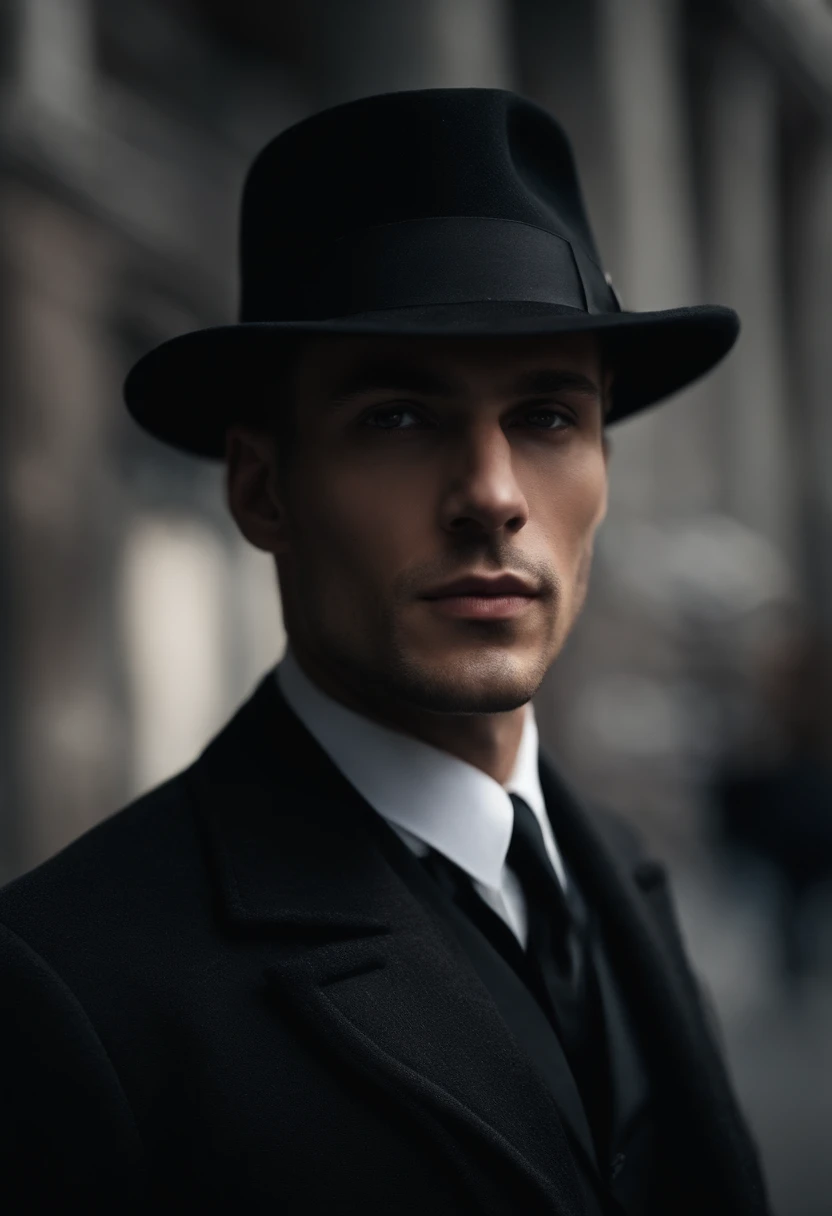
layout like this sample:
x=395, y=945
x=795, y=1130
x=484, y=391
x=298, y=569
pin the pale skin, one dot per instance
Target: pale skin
x=448, y=457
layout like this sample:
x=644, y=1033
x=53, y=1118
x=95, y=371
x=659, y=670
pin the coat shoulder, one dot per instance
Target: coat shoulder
x=74, y=942
x=621, y=836
x=125, y=871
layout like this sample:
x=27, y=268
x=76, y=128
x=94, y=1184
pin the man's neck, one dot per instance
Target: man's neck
x=489, y=742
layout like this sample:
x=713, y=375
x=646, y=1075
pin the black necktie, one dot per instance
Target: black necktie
x=558, y=951
x=555, y=944
x=556, y=961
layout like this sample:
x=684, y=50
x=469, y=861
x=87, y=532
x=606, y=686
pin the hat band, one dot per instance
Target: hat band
x=453, y=260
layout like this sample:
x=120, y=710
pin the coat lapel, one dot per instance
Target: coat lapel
x=296, y=856
x=629, y=1081
x=469, y=916
x=628, y=1078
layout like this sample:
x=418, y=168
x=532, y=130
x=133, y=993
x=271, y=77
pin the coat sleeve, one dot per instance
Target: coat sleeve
x=67, y=1134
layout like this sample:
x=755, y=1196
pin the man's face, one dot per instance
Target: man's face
x=418, y=462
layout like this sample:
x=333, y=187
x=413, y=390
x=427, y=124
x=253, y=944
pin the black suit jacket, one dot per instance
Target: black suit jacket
x=224, y=998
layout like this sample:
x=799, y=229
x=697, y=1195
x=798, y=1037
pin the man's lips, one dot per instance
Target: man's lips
x=482, y=607
x=504, y=585
x=474, y=598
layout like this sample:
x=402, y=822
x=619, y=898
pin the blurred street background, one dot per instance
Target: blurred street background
x=695, y=696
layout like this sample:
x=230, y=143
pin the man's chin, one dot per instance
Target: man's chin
x=495, y=702
x=471, y=685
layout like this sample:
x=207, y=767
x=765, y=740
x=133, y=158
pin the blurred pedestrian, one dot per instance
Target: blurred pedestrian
x=773, y=798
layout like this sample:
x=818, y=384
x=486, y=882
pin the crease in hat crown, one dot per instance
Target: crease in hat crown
x=396, y=157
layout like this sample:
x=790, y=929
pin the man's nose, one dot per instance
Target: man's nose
x=484, y=493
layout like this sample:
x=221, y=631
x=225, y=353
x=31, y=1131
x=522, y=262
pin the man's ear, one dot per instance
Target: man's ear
x=251, y=488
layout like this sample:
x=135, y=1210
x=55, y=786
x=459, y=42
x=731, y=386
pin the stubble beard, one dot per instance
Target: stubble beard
x=395, y=675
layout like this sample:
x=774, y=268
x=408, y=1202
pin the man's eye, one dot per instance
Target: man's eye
x=406, y=418
x=547, y=419
x=389, y=419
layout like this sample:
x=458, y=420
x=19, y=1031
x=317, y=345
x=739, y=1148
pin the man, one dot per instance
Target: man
x=368, y=953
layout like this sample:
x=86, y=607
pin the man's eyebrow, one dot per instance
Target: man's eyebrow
x=393, y=376
x=555, y=380
x=406, y=378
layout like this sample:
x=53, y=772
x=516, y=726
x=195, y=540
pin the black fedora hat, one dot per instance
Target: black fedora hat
x=435, y=212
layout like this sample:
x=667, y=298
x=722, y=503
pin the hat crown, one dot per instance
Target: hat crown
x=396, y=158
x=421, y=214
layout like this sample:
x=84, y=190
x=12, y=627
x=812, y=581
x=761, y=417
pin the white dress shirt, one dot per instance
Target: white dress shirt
x=429, y=797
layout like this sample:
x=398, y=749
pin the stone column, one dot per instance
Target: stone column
x=173, y=582
x=62, y=745
x=663, y=459
x=811, y=412
x=744, y=225
x=374, y=46
x=63, y=505
x=54, y=60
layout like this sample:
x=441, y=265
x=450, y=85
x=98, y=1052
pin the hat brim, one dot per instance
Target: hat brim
x=189, y=390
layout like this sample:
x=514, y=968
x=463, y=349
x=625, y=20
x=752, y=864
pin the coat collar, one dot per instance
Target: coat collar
x=438, y=800
x=298, y=853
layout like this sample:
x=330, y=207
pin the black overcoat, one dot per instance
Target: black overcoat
x=225, y=998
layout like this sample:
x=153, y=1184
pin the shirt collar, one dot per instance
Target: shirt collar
x=443, y=801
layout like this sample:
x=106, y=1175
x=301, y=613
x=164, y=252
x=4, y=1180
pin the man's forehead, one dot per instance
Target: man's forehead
x=330, y=358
